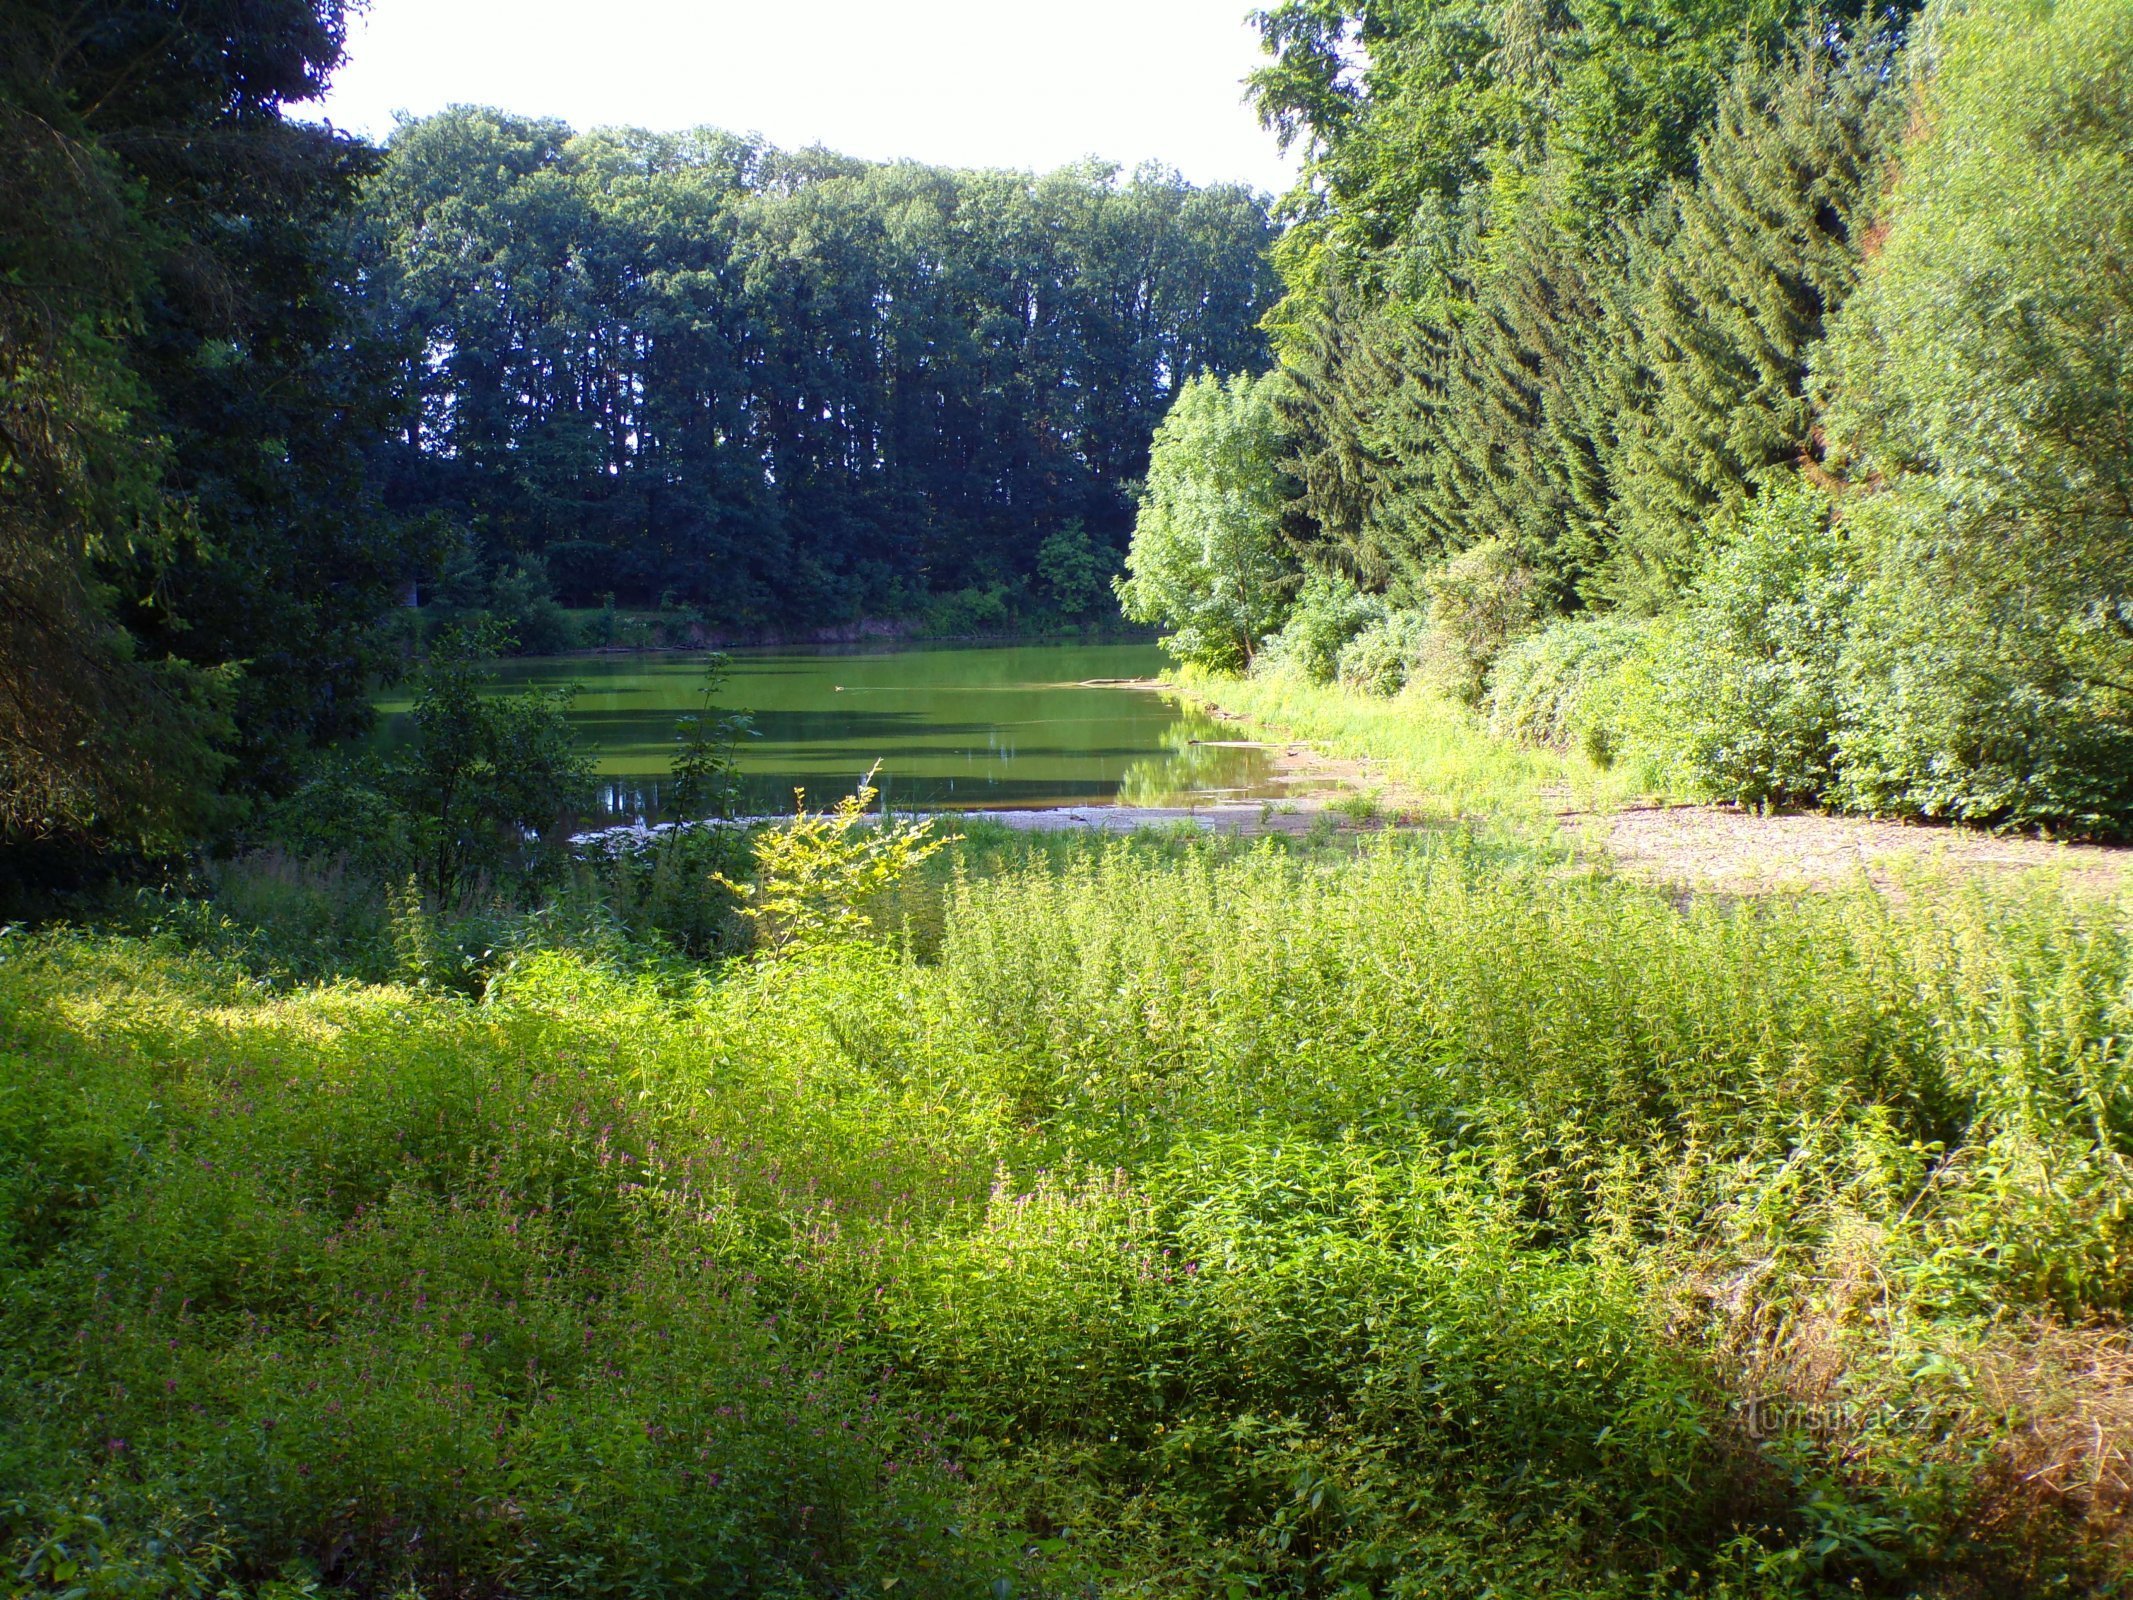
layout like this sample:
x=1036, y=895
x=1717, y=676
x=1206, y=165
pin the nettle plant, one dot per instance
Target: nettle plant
x=818, y=875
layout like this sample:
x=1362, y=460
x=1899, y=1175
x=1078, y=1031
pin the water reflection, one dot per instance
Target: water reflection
x=982, y=728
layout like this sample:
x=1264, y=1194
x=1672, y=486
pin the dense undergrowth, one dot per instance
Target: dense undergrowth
x=1142, y=1218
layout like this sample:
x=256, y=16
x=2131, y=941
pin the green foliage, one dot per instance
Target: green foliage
x=1749, y=681
x=1982, y=372
x=1479, y=601
x=1562, y=688
x=1523, y=377
x=1521, y=438
x=487, y=780
x=1341, y=367
x=672, y=893
x=1206, y=560
x=1764, y=247
x=706, y=770
x=190, y=560
x=791, y=388
x=1383, y=657
x=1326, y=616
x=522, y=600
x=344, y=811
x=971, y=613
x=1989, y=343
x=1425, y=128
x=483, y=788
x=1199, y=1213
x=1978, y=689
x=1076, y=573
x=820, y=876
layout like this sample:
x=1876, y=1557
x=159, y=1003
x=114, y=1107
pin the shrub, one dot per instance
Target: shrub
x=1207, y=561
x=1749, y=681
x=819, y=875
x=522, y=599
x=1479, y=601
x=1328, y=614
x=968, y=613
x=706, y=764
x=1983, y=373
x=342, y=812
x=485, y=786
x=1978, y=690
x=488, y=780
x=1736, y=695
x=674, y=885
x=1077, y=572
x=1562, y=688
x=1380, y=659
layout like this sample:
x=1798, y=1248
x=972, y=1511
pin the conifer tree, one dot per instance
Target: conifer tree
x=1343, y=365
x=1765, y=247
x=1542, y=374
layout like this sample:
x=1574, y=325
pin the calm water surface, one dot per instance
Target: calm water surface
x=965, y=727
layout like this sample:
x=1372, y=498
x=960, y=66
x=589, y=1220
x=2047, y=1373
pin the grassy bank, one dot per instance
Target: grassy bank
x=1167, y=1219
x=1445, y=763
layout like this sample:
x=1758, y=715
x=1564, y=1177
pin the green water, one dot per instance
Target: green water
x=967, y=727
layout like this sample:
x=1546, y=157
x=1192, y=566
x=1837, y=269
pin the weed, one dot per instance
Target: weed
x=1179, y=1215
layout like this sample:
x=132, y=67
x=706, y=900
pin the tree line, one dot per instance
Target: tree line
x=1737, y=387
x=789, y=387
x=260, y=379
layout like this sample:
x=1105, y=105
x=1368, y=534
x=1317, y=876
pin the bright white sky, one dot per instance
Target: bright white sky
x=1004, y=83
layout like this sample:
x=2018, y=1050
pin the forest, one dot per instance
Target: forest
x=268, y=381
x=1741, y=397
x=1699, y=410
x=785, y=388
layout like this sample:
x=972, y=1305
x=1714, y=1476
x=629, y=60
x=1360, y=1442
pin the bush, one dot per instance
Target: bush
x=485, y=786
x=1380, y=659
x=1736, y=696
x=1328, y=614
x=820, y=876
x=672, y=887
x=1207, y=560
x=706, y=772
x=1479, y=601
x=1983, y=374
x=488, y=781
x=522, y=600
x=342, y=813
x=967, y=614
x=1978, y=691
x=1749, y=681
x=1563, y=687
x=1077, y=573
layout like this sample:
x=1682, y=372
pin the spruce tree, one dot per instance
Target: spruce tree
x=1542, y=375
x=1343, y=366
x=1764, y=247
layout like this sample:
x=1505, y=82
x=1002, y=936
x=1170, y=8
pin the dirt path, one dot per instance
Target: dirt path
x=1724, y=848
x=1718, y=848
x=1730, y=850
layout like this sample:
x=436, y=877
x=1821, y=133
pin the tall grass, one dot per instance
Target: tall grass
x=1149, y=1219
x=1438, y=750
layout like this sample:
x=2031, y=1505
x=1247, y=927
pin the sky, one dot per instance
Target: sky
x=1006, y=83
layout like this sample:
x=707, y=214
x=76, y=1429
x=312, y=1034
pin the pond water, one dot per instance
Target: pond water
x=954, y=727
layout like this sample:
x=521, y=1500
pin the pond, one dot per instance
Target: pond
x=979, y=727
